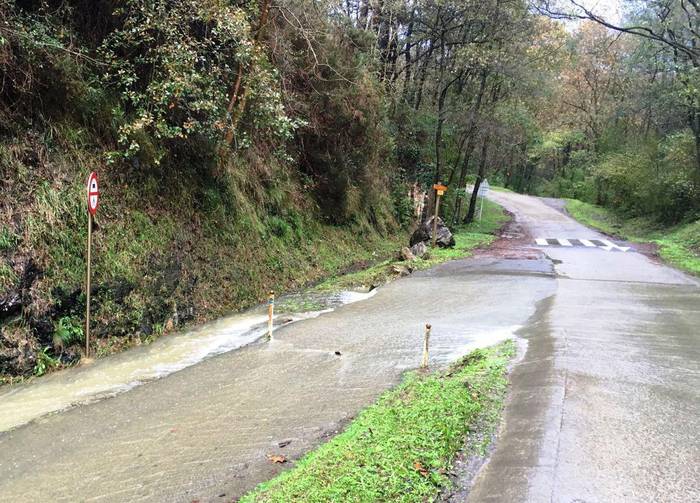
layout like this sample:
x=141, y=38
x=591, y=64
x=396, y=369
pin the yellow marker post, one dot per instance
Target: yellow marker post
x=426, y=341
x=270, y=313
x=440, y=190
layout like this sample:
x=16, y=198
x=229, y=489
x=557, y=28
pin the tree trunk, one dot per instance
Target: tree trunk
x=239, y=91
x=438, y=135
x=470, y=145
x=479, y=178
x=407, y=55
x=423, y=71
x=695, y=126
x=440, y=110
x=462, y=178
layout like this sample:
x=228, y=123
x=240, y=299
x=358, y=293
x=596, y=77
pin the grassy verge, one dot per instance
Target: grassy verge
x=467, y=238
x=679, y=246
x=402, y=447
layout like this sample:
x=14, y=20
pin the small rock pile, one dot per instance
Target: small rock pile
x=424, y=234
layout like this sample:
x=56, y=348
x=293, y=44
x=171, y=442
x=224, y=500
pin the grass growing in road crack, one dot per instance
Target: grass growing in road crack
x=467, y=237
x=402, y=447
x=679, y=246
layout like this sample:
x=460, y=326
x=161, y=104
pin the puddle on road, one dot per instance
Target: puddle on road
x=118, y=373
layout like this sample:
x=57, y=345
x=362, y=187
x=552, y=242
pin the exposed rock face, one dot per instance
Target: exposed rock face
x=17, y=351
x=419, y=249
x=424, y=234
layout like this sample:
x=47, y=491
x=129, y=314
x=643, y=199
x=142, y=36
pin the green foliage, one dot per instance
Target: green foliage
x=8, y=239
x=403, y=205
x=651, y=180
x=173, y=63
x=279, y=227
x=44, y=362
x=7, y=275
x=415, y=154
x=402, y=447
x=42, y=68
x=67, y=332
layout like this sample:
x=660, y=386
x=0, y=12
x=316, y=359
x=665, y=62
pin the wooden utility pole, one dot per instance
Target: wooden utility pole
x=439, y=190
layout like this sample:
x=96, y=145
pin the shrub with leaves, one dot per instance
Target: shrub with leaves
x=174, y=63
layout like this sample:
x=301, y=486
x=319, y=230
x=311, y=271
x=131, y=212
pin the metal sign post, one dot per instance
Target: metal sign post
x=440, y=190
x=483, y=191
x=93, y=197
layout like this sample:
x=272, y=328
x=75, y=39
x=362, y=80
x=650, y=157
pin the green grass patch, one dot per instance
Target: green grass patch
x=7, y=275
x=402, y=447
x=502, y=189
x=467, y=238
x=679, y=245
x=7, y=239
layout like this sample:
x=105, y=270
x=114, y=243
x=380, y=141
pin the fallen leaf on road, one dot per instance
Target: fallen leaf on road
x=276, y=458
x=420, y=468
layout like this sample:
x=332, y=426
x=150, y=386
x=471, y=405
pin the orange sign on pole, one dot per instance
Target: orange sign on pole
x=441, y=189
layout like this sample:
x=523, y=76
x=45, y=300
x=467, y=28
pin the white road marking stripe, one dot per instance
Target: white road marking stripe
x=609, y=245
x=605, y=244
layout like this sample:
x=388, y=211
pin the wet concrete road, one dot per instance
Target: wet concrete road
x=604, y=404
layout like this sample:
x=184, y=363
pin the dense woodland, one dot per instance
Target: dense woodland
x=234, y=136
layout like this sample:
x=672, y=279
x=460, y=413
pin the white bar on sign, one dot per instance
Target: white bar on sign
x=541, y=242
x=564, y=242
x=586, y=242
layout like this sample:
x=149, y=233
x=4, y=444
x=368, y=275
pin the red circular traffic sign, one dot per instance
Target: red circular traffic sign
x=92, y=193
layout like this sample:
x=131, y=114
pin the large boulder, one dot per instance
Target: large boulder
x=424, y=234
x=419, y=249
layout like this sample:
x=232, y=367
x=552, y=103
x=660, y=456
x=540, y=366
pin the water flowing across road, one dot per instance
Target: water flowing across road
x=119, y=373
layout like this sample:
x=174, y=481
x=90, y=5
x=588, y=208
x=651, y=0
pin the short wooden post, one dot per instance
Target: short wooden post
x=87, y=290
x=426, y=341
x=270, y=313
